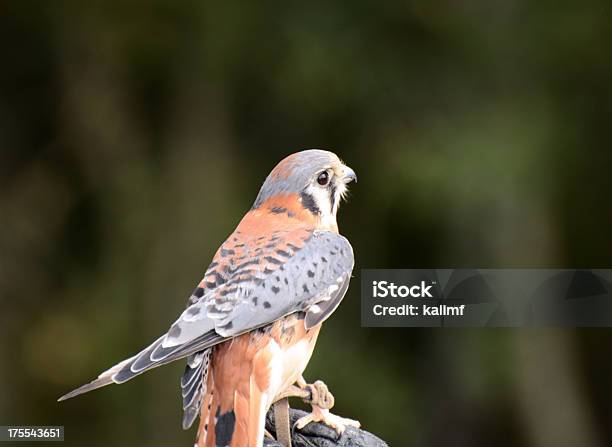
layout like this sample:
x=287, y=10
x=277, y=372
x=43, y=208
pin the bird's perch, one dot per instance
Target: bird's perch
x=320, y=435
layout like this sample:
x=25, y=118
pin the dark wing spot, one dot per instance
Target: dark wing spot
x=254, y=299
x=199, y=292
x=283, y=253
x=310, y=274
x=323, y=258
x=286, y=281
x=247, y=263
x=305, y=287
x=227, y=291
x=267, y=305
x=275, y=289
x=273, y=260
x=293, y=247
x=225, y=252
x=174, y=331
x=220, y=279
x=242, y=279
x=193, y=311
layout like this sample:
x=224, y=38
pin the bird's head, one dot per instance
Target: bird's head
x=314, y=180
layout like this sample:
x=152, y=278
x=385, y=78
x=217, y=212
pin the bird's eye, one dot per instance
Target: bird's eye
x=323, y=178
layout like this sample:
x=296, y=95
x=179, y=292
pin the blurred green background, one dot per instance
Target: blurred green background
x=134, y=136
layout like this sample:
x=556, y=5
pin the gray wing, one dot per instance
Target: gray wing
x=313, y=279
x=281, y=277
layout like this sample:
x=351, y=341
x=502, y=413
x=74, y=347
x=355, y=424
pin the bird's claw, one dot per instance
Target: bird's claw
x=319, y=395
x=313, y=394
x=323, y=415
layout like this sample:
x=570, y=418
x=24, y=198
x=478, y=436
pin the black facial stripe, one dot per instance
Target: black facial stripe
x=309, y=203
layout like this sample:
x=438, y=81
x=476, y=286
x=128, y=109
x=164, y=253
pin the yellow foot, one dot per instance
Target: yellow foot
x=331, y=420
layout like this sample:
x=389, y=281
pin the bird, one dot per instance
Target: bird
x=251, y=324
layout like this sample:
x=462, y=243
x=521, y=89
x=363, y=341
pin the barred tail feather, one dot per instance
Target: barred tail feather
x=193, y=386
x=143, y=361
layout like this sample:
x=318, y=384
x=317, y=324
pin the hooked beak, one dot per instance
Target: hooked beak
x=348, y=175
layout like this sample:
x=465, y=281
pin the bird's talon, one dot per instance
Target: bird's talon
x=319, y=394
x=302, y=422
x=268, y=435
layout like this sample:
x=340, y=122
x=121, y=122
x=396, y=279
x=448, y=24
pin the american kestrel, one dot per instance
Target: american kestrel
x=251, y=324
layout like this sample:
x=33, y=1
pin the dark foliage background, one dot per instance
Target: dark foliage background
x=134, y=135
